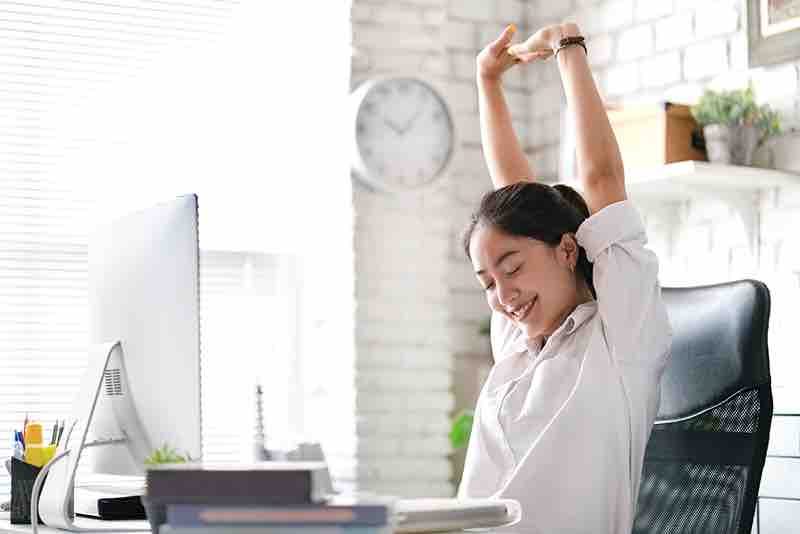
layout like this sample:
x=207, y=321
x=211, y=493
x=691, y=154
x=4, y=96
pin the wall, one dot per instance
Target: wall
x=655, y=50
x=419, y=354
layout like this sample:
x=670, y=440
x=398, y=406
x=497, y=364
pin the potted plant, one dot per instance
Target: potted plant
x=734, y=125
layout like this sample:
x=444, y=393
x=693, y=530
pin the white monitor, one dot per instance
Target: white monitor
x=144, y=293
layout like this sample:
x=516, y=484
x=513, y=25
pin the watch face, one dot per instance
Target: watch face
x=404, y=133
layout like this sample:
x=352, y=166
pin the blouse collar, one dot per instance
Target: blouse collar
x=581, y=314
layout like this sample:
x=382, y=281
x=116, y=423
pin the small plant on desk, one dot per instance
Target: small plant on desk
x=166, y=455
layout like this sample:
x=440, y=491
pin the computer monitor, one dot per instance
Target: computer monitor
x=144, y=293
x=141, y=388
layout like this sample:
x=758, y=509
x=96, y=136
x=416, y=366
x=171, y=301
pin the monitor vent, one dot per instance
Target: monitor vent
x=113, y=381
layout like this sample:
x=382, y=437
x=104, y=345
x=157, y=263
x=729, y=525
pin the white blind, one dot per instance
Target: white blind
x=248, y=337
x=114, y=104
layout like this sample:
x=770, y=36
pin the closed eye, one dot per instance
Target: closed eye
x=513, y=272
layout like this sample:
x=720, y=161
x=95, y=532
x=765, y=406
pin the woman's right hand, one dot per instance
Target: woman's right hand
x=494, y=59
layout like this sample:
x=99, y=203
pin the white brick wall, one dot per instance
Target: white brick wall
x=674, y=31
x=713, y=19
x=652, y=9
x=622, y=79
x=472, y=11
x=418, y=305
x=661, y=70
x=635, y=43
x=706, y=59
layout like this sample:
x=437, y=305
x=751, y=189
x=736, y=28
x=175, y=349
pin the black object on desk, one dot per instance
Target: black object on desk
x=23, y=475
x=127, y=507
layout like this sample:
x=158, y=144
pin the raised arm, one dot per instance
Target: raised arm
x=600, y=167
x=504, y=156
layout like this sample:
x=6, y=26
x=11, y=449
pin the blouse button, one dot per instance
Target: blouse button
x=570, y=325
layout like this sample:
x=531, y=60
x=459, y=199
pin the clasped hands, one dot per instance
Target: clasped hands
x=500, y=55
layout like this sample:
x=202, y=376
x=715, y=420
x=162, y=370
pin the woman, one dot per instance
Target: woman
x=580, y=335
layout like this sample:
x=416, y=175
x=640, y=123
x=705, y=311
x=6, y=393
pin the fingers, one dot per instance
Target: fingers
x=528, y=57
x=519, y=49
x=534, y=43
x=503, y=41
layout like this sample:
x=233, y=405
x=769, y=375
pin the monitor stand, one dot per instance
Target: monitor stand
x=55, y=505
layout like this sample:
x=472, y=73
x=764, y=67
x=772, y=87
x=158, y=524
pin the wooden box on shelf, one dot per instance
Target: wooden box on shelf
x=651, y=135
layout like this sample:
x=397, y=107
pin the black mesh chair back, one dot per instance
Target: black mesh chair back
x=703, y=463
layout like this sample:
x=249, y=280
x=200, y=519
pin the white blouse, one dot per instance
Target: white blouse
x=562, y=428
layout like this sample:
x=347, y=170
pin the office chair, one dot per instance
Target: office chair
x=703, y=463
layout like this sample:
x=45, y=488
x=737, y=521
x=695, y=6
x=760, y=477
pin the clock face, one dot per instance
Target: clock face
x=404, y=134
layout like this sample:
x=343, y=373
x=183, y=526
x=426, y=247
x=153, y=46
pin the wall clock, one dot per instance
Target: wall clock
x=404, y=133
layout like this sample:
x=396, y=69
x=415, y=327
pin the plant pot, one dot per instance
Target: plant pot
x=155, y=512
x=733, y=145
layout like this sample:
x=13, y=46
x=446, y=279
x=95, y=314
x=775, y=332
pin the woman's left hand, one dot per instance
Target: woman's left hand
x=541, y=45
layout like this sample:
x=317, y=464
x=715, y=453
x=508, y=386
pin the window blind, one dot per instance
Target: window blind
x=63, y=161
x=248, y=336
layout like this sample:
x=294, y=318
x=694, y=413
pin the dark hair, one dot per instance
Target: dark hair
x=535, y=210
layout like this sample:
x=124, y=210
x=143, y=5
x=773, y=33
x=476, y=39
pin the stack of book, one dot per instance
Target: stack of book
x=263, y=498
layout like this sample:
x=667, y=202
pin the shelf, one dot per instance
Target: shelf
x=686, y=179
x=736, y=185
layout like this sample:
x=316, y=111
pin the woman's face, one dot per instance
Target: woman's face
x=527, y=280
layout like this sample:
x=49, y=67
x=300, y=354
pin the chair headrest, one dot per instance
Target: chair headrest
x=719, y=345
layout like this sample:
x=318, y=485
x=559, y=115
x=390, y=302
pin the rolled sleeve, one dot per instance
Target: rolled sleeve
x=625, y=276
x=619, y=222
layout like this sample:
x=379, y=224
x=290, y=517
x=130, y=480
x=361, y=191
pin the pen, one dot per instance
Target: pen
x=25, y=426
x=60, y=431
x=55, y=432
x=19, y=449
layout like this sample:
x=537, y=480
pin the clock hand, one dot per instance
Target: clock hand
x=395, y=128
x=410, y=122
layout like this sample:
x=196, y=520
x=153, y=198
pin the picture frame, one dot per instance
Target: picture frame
x=773, y=31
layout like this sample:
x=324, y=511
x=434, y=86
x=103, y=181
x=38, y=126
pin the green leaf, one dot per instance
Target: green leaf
x=461, y=429
x=737, y=107
x=166, y=455
x=485, y=327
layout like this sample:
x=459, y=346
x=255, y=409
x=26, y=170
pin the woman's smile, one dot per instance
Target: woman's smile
x=520, y=313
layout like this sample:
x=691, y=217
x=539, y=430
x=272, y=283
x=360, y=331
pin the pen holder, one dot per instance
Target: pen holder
x=23, y=475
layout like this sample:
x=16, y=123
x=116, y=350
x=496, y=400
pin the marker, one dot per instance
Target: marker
x=19, y=448
x=61, y=431
x=55, y=432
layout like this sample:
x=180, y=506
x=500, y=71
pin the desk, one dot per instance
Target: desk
x=6, y=527
x=114, y=527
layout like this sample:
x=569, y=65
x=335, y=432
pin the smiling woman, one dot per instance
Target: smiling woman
x=579, y=333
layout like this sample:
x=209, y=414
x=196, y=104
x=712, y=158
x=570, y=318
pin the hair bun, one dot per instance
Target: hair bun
x=573, y=198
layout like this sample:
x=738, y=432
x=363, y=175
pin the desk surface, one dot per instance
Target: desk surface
x=114, y=527
x=6, y=527
x=107, y=526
